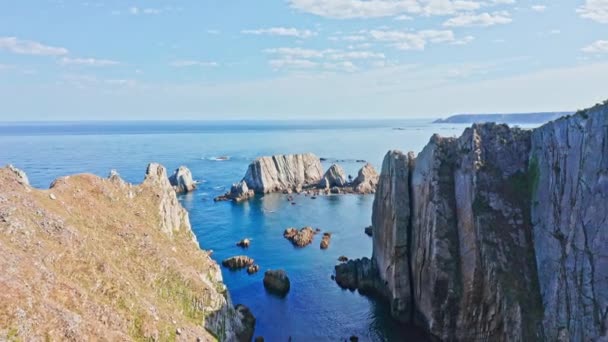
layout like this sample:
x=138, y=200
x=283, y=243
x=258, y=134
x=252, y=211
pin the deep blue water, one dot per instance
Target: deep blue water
x=316, y=308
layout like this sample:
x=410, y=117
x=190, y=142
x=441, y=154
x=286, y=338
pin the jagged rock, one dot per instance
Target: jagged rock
x=237, y=262
x=367, y=180
x=182, y=181
x=244, y=243
x=569, y=172
x=300, y=238
x=277, y=281
x=253, y=269
x=498, y=234
x=358, y=274
x=325, y=241
x=21, y=176
x=333, y=177
x=248, y=321
x=283, y=172
x=238, y=192
x=369, y=231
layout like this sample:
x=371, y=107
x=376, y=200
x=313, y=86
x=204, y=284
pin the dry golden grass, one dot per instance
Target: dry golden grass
x=94, y=264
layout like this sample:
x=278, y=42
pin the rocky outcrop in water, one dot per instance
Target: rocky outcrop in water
x=333, y=177
x=102, y=259
x=497, y=235
x=237, y=262
x=283, y=172
x=299, y=238
x=367, y=180
x=182, y=181
x=277, y=281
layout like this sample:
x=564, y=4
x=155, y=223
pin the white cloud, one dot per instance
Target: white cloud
x=538, y=8
x=356, y=55
x=596, y=10
x=347, y=66
x=87, y=62
x=410, y=40
x=482, y=19
x=600, y=46
x=297, y=52
x=291, y=63
x=403, y=17
x=192, y=63
x=400, y=9
x=282, y=31
x=26, y=47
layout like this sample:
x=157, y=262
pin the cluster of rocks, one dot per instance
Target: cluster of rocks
x=299, y=173
x=300, y=238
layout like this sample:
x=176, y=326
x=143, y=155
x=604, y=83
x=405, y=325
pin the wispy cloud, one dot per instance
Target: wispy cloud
x=481, y=19
x=282, y=31
x=87, y=62
x=417, y=40
x=600, y=46
x=538, y=8
x=192, y=63
x=27, y=47
x=596, y=10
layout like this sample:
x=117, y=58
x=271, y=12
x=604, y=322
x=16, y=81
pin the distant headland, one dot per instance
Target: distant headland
x=510, y=118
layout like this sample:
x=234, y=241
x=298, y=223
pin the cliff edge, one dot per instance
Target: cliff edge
x=103, y=259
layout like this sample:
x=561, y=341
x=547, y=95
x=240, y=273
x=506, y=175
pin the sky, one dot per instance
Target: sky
x=304, y=59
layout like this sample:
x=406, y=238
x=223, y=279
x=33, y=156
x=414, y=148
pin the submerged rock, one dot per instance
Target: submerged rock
x=244, y=243
x=283, y=172
x=237, y=262
x=182, y=181
x=367, y=180
x=277, y=281
x=300, y=238
x=333, y=177
x=325, y=241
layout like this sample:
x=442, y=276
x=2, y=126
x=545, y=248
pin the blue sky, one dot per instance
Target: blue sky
x=203, y=59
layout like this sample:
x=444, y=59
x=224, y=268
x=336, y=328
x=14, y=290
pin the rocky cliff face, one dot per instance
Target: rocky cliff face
x=499, y=234
x=94, y=258
x=569, y=161
x=283, y=172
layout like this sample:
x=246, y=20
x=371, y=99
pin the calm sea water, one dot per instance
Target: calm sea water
x=316, y=308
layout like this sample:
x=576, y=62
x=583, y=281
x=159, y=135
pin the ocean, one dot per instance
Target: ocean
x=315, y=308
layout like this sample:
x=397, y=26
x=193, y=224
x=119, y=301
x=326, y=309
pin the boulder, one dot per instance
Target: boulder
x=253, y=269
x=182, y=181
x=244, y=243
x=333, y=177
x=325, y=241
x=237, y=262
x=240, y=192
x=283, y=172
x=367, y=180
x=277, y=282
x=248, y=323
x=358, y=274
x=369, y=231
x=299, y=238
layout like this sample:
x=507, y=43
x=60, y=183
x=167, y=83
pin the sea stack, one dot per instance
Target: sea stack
x=283, y=172
x=182, y=181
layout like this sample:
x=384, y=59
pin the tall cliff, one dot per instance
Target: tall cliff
x=283, y=172
x=499, y=234
x=97, y=259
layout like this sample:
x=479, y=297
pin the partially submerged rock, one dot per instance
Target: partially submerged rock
x=277, y=282
x=237, y=262
x=369, y=231
x=238, y=192
x=325, y=240
x=333, y=177
x=182, y=181
x=283, y=172
x=253, y=269
x=367, y=180
x=358, y=274
x=300, y=238
x=248, y=321
x=244, y=243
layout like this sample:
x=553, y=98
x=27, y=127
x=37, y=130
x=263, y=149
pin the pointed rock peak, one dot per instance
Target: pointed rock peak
x=20, y=175
x=156, y=171
x=181, y=180
x=334, y=176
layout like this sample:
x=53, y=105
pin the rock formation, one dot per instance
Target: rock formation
x=182, y=181
x=237, y=262
x=244, y=243
x=283, y=172
x=238, y=192
x=21, y=177
x=106, y=260
x=299, y=238
x=325, y=241
x=499, y=234
x=277, y=281
x=333, y=177
x=367, y=180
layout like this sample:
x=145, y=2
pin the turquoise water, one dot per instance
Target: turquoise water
x=316, y=308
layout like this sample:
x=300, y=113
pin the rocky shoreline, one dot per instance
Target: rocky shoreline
x=300, y=174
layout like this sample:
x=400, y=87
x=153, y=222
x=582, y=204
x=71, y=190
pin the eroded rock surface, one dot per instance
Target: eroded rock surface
x=299, y=238
x=182, y=181
x=283, y=172
x=367, y=180
x=277, y=282
x=333, y=177
x=237, y=262
x=499, y=234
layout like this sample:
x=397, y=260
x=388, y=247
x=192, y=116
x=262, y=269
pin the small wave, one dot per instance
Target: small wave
x=219, y=158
